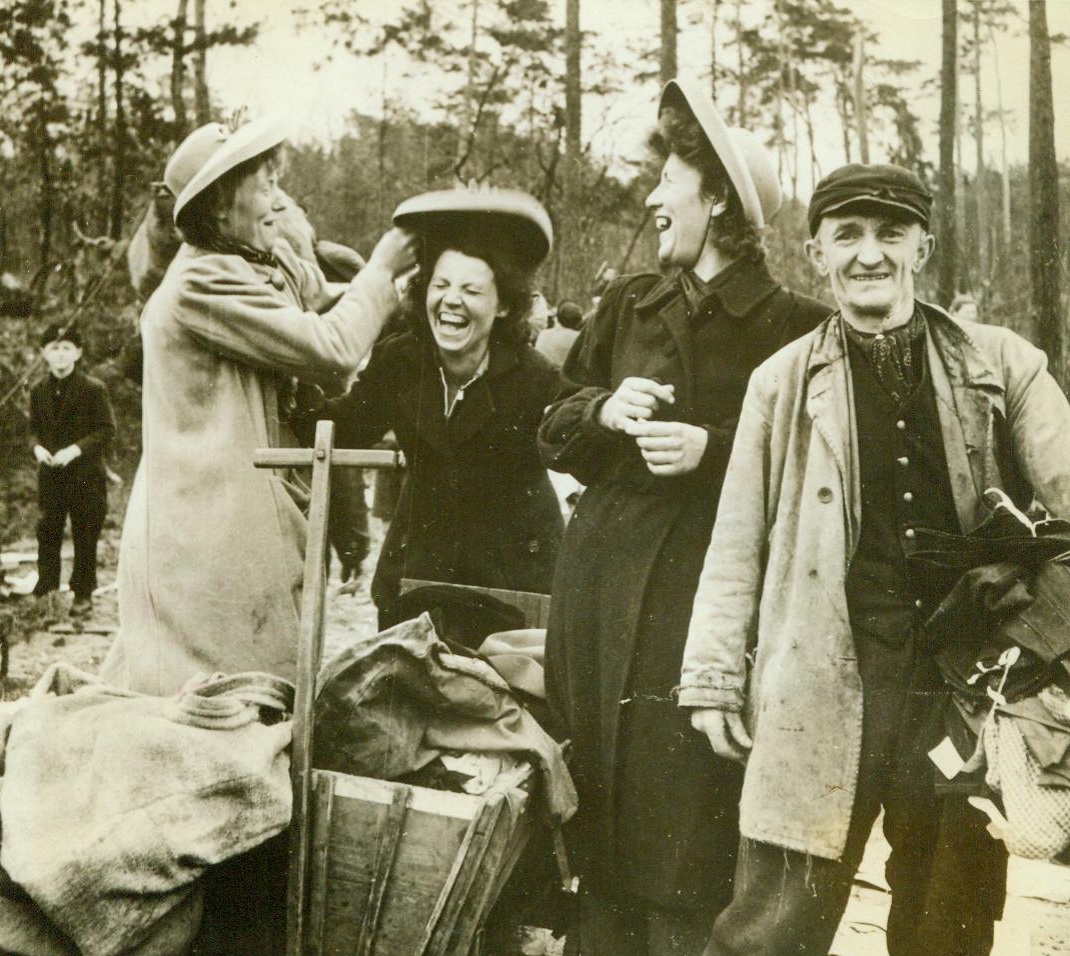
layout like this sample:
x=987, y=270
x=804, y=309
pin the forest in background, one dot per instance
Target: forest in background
x=495, y=91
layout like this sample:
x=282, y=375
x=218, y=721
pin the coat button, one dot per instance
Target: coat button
x=824, y=495
x=908, y=496
x=919, y=604
x=901, y=425
x=904, y=461
x=533, y=547
x=909, y=533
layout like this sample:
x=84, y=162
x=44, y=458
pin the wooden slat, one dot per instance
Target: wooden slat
x=460, y=878
x=308, y=655
x=385, y=854
x=303, y=457
x=323, y=786
x=534, y=606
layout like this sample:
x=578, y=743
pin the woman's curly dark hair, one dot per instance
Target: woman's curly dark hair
x=735, y=236
x=511, y=281
x=197, y=222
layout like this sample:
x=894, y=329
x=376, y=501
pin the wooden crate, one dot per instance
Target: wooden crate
x=398, y=870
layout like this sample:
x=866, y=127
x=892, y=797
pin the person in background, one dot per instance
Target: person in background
x=964, y=306
x=538, y=317
x=556, y=341
x=71, y=424
x=463, y=391
x=803, y=656
x=645, y=418
x=212, y=553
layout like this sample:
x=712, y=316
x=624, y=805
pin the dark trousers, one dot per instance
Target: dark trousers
x=946, y=874
x=630, y=926
x=83, y=496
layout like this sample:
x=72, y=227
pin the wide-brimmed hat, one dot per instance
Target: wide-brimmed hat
x=748, y=163
x=513, y=218
x=212, y=150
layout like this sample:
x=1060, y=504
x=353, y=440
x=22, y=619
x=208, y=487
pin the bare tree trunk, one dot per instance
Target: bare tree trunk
x=741, y=76
x=118, y=195
x=470, y=91
x=44, y=145
x=568, y=256
x=1004, y=165
x=714, y=13
x=201, y=104
x=858, y=64
x=1044, y=195
x=102, y=112
x=979, y=138
x=945, y=210
x=178, y=69
x=668, y=40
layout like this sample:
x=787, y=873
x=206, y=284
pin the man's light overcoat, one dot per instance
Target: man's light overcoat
x=772, y=587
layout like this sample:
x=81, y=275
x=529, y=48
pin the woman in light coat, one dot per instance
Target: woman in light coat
x=210, y=564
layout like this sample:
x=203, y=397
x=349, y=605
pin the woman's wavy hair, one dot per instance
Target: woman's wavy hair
x=197, y=222
x=511, y=280
x=733, y=234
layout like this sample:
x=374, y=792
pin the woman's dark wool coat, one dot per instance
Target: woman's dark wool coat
x=658, y=811
x=476, y=506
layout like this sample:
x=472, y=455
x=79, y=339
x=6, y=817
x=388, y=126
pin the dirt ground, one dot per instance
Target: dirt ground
x=1036, y=921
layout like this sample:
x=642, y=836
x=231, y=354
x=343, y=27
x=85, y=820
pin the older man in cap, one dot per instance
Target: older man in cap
x=645, y=419
x=801, y=658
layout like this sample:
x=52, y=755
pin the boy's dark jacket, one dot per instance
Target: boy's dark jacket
x=83, y=417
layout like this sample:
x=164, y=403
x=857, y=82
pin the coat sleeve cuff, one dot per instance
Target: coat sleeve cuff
x=708, y=695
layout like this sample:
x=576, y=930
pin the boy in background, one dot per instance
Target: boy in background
x=71, y=424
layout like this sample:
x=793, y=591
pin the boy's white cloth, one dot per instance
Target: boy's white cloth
x=114, y=803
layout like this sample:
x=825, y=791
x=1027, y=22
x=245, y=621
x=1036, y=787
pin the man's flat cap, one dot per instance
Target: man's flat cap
x=875, y=185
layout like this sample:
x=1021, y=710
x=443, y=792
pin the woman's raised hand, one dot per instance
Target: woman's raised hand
x=395, y=252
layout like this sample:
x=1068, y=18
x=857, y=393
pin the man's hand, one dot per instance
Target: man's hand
x=63, y=457
x=669, y=448
x=636, y=399
x=43, y=456
x=725, y=730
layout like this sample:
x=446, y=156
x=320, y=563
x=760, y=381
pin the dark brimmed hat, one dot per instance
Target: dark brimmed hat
x=875, y=184
x=512, y=217
x=747, y=162
x=60, y=333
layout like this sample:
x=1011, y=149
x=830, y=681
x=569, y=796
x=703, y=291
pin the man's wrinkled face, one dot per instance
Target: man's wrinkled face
x=871, y=259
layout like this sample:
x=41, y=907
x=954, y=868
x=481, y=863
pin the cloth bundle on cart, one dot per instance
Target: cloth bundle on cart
x=113, y=804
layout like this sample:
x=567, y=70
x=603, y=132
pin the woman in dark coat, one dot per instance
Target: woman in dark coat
x=464, y=393
x=652, y=391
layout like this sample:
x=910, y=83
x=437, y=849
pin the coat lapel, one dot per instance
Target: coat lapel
x=830, y=405
x=968, y=395
x=666, y=303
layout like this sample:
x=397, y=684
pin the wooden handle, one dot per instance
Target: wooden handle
x=305, y=457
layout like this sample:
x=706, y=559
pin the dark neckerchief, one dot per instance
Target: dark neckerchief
x=695, y=289
x=897, y=357
x=217, y=242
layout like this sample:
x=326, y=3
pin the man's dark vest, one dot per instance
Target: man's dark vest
x=905, y=485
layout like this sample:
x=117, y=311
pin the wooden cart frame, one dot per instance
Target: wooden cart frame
x=477, y=832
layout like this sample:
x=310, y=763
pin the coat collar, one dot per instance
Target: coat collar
x=964, y=362
x=739, y=289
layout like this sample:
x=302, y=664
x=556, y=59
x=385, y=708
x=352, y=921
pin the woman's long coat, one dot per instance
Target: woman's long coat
x=210, y=564
x=657, y=813
x=476, y=506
